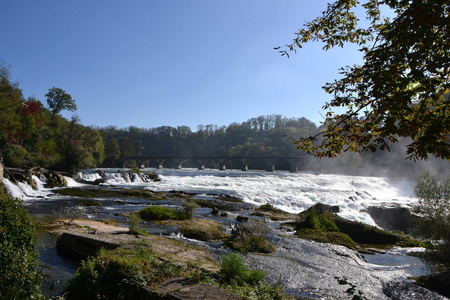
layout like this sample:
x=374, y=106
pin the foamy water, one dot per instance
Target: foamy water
x=291, y=192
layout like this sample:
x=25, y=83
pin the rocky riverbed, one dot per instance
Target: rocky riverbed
x=302, y=267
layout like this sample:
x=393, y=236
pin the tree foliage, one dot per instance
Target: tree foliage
x=402, y=87
x=58, y=100
x=33, y=135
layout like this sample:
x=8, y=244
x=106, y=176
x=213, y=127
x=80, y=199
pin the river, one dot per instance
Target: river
x=302, y=267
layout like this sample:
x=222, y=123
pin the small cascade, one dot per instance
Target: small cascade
x=28, y=190
x=126, y=177
x=13, y=189
x=114, y=178
x=24, y=191
x=71, y=182
x=137, y=178
x=39, y=181
x=90, y=177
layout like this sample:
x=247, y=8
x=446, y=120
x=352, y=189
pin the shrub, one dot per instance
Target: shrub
x=159, y=213
x=434, y=206
x=188, y=210
x=135, y=227
x=234, y=270
x=19, y=276
x=113, y=274
x=251, y=237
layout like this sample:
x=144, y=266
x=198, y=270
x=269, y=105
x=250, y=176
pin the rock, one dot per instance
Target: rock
x=181, y=289
x=224, y=214
x=84, y=244
x=215, y=211
x=242, y=219
x=365, y=234
x=322, y=209
x=394, y=218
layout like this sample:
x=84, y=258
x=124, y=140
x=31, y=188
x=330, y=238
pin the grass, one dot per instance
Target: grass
x=158, y=213
x=203, y=230
x=273, y=213
x=322, y=236
x=328, y=228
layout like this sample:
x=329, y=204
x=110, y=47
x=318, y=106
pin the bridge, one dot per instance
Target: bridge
x=200, y=162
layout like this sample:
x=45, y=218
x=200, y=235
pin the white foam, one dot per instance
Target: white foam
x=71, y=182
x=13, y=189
x=294, y=192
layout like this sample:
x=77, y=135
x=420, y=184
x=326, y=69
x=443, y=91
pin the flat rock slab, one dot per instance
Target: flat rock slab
x=180, y=289
x=87, y=237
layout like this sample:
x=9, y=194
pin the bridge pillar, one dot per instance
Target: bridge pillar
x=293, y=165
x=179, y=164
x=270, y=165
x=244, y=163
x=222, y=166
x=161, y=163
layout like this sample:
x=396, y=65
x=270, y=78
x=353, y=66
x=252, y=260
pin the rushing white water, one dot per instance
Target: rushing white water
x=24, y=191
x=71, y=182
x=292, y=192
x=13, y=190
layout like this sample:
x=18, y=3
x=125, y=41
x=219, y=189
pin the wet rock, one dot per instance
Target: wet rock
x=393, y=218
x=215, y=211
x=242, y=219
x=407, y=290
x=322, y=209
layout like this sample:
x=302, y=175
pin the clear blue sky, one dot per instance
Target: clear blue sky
x=169, y=62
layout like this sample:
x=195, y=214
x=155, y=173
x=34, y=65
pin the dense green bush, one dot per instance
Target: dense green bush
x=19, y=276
x=113, y=274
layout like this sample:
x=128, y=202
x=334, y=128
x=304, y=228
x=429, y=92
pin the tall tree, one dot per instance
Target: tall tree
x=58, y=100
x=402, y=87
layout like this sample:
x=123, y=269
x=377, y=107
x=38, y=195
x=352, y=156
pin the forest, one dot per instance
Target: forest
x=36, y=135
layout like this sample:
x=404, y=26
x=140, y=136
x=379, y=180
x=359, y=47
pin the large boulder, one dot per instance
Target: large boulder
x=393, y=218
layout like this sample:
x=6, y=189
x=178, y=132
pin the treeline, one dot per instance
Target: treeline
x=261, y=136
x=33, y=135
x=36, y=135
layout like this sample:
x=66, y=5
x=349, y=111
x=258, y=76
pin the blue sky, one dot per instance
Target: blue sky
x=170, y=62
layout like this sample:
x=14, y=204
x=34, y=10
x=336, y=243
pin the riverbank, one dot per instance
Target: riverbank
x=319, y=263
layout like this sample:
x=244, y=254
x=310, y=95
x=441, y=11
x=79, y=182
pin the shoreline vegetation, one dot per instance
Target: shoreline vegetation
x=136, y=268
